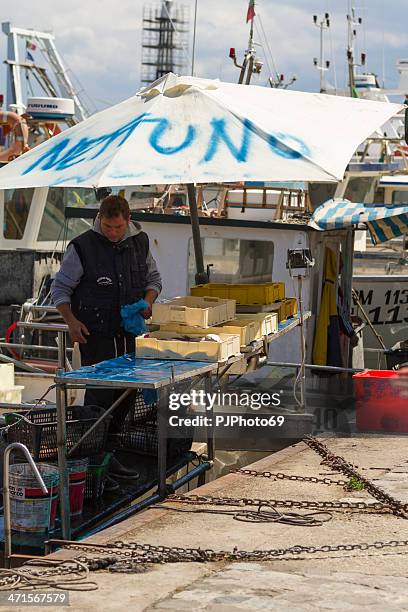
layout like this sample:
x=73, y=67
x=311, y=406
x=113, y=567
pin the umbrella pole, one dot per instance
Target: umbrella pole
x=201, y=276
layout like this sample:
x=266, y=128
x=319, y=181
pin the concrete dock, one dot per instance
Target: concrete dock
x=375, y=579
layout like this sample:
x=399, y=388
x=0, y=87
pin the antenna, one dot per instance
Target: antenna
x=320, y=63
x=353, y=23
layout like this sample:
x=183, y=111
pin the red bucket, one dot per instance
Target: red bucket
x=380, y=401
x=77, y=475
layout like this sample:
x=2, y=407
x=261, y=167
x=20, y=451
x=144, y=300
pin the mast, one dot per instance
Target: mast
x=251, y=63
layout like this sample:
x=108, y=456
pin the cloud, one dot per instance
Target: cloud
x=100, y=40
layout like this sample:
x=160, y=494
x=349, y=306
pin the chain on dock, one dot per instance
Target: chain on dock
x=133, y=556
x=281, y=476
x=345, y=467
x=335, y=506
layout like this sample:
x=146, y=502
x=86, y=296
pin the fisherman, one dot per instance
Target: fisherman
x=103, y=269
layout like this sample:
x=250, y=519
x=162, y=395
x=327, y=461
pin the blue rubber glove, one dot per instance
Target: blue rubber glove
x=132, y=320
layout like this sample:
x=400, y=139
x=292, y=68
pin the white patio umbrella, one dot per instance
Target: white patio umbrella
x=188, y=130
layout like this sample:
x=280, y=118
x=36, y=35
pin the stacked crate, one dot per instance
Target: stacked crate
x=187, y=330
x=250, y=298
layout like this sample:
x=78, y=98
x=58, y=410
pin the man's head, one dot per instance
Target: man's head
x=114, y=216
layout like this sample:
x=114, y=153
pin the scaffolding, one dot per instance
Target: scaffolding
x=165, y=38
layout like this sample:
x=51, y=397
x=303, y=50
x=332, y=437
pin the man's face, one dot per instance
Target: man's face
x=114, y=228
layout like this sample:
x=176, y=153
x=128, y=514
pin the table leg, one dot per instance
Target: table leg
x=210, y=415
x=162, y=427
x=62, y=461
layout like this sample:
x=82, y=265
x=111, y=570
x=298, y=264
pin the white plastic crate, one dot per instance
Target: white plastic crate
x=194, y=311
x=265, y=323
x=6, y=375
x=171, y=345
x=246, y=330
x=12, y=395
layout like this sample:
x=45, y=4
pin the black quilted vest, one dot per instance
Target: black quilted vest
x=114, y=275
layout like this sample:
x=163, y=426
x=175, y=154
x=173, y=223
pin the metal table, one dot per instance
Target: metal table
x=129, y=373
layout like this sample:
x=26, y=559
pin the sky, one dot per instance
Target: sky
x=100, y=40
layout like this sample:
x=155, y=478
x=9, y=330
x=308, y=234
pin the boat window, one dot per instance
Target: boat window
x=360, y=189
x=234, y=260
x=16, y=208
x=54, y=226
x=400, y=196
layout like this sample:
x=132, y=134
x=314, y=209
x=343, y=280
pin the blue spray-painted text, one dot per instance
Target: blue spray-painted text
x=66, y=154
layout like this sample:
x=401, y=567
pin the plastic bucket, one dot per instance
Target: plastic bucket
x=77, y=476
x=96, y=477
x=31, y=509
x=380, y=405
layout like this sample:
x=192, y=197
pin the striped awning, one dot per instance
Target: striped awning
x=383, y=221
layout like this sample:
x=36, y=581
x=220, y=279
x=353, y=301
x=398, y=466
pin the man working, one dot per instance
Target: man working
x=104, y=269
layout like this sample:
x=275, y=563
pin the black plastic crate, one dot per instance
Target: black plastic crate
x=37, y=429
x=144, y=440
x=140, y=439
x=138, y=411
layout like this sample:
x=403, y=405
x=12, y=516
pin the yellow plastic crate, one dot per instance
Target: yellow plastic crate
x=245, y=329
x=291, y=307
x=263, y=293
x=285, y=309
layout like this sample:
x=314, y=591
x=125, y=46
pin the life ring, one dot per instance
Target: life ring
x=18, y=126
x=8, y=335
x=401, y=151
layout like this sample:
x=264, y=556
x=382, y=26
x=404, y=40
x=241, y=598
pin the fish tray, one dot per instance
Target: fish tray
x=169, y=345
x=246, y=330
x=194, y=311
x=265, y=323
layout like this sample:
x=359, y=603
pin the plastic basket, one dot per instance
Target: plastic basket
x=144, y=441
x=96, y=477
x=141, y=411
x=141, y=439
x=37, y=429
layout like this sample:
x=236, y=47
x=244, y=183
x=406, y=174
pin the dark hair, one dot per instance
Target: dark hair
x=113, y=206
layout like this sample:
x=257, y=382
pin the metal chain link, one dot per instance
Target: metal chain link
x=282, y=503
x=131, y=555
x=281, y=476
x=341, y=465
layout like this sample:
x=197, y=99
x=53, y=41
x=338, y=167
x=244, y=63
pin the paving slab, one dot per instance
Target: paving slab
x=374, y=579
